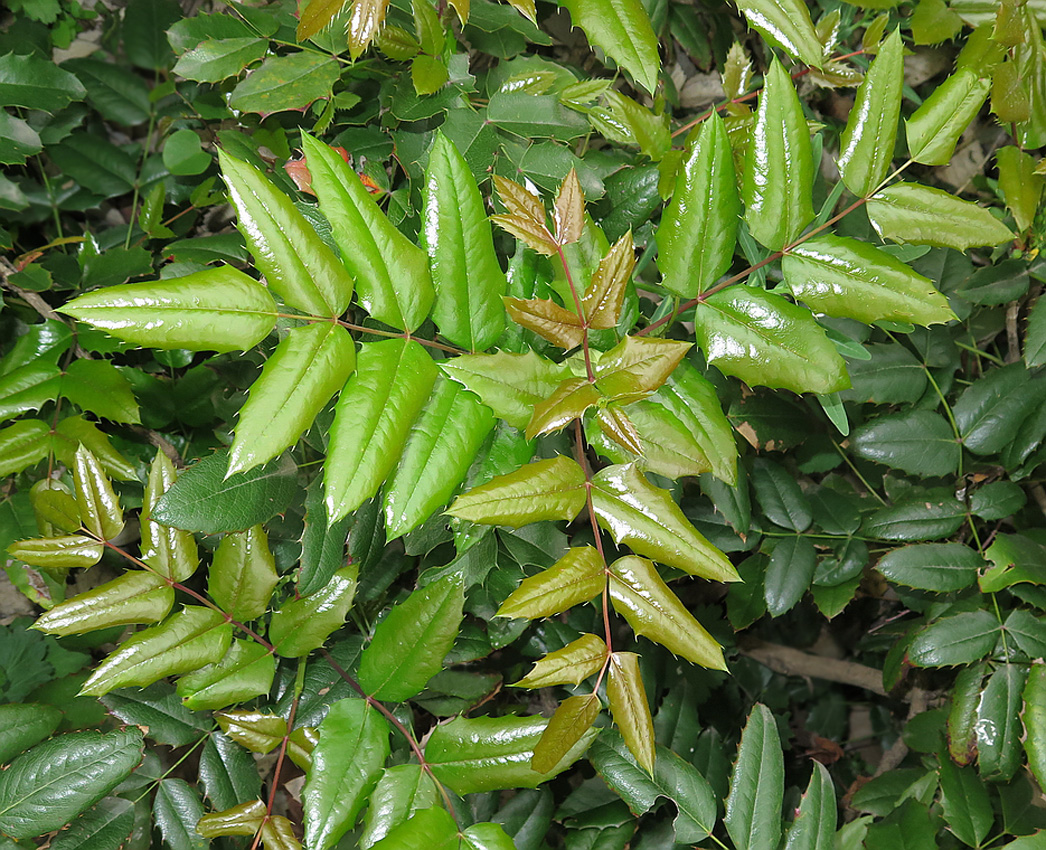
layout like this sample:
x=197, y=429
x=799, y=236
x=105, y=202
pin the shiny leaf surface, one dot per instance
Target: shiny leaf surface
x=545, y=490
x=787, y=24
x=170, y=551
x=243, y=574
x=630, y=708
x=547, y=319
x=302, y=625
x=567, y=666
x=245, y=672
x=935, y=127
x=919, y=215
x=575, y=578
x=571, y=720
x=622, y=29
x=637, y=366
x=135, y=597
x=605, y=295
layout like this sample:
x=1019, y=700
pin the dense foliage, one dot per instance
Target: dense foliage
x=436, y=425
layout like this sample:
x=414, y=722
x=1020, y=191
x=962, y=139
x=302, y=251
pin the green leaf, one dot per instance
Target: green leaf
x=46, y=787
x=551, y=489
x=158, y=709
x=753, y=808
x=997, y=500
x=107, y=826
x=637, y=366
x=568, y=725
x=785, y=24
x=74, y=431
x=962, y=718
x=604, y=298
x=1027, y=632
x=176, y=810
x=316, y=16
x=967, y=809
x=246, y=671
x=570, y=665
x=486, y=836
x=493, y=753
x=630, y=708
x=764, y=340
x=392, y=275
x=442, y=445
x=31, y=81
x=244, y=819
x=575, y=578
x=22, y=445
x=814, y=824
x=256, y=731
x=346, y=764
x=218, y=309
x=372, y=421
x=961, y=639
x=303, y=625
x=927, y=518
x=402, y=790
x=96, y=164
x=940, y=567
x=409, y=645
x=289, y=82
x=54, y=506
x=919, y=442
x=68, y=552
x=431, y=828
x=568, y=402
x=990, y=411
x=648, y=520
x=228, y=773
x=999, y=728
x=322, y=545
x=907, y=827
x=867, y=144
x=509, y=384
x=24, y=724
x=1021, y=186
x=297, y=264
x=119, y=96
x=844, y=277
x=28, y=387
x=1015, y=558
x=622, y=29
x=641, y=596
x=778, y=175
x=203, y=499
x=789, y=574
x=919, y=215
x=170, y=551
x=243, y=574
x=97, y=386
x=97, y=502
x=698, y=229
x=217, y=59
x=135, y=597
x=183, y=154
x=1034, y=719
x=935, y=127
x=308, y=367
x=780, y=496
x=186, y=641
x=468, y=280
x=17, y=140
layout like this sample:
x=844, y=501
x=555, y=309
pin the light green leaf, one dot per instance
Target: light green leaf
x=641, y=596
x=245, y=672
x=764, y=340
x=814, y=824
x=188, y=640
x=571, y=720
x=509, y=384
x=24, y=724
x=442, y=445
x=303, y=625
x=1021, y=186
x=17, y=140
x=217, y=59
x=961, y=639
x=135, y=597
x=920, y=442
x=753, y=808
x=392, y=275
x=346, y=764
x=698, y=229
x=23, y=444
x=218, y=309
x=99, y=507
x=33, y=82
x=468, y=279
x=402, y=790
x=919, y=215
x=28, y=387
x=297, y=264
x=54, y=506
x=76, y=430
x=493, y=753
x=544, y=490
x=372, y=421
x=999, y=728
x=637, y=366
x=630, y=708
x=486, y=836
x=286, y=82
x=622, y=29
x=692, y=400
x=648, y=520
x=316, y=16
x=254, y=730
x=935, y=127
x=243, y=574
x=575, y=578
x=786, y=24
x=45, y=788
x=568, y=402
x=778, y=176
x=170, y=551
x=867, y=144
x=844, y=277
x=308, y=367
x=66, y=552
x=567, y=666
x=432, y=828
x=940, y=567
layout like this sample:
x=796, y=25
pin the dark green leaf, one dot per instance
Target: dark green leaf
x=990, y=411
x=286, y=82
x=753, y=808
x=919, y=442
x=176, y=809
x=780, y=496
x=940, y=567
x=999, y=728
x=30, y=81
x=158, y=709
x=789, y=573
x=919, y=519
x=217, y=59
x=961, y=639
x=24, y=724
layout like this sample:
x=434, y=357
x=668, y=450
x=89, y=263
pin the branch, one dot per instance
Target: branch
x=795, y=662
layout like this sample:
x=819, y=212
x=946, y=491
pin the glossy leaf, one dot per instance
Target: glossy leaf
x=867, y=144
x=444, y=441
x=753, y=807
x=568, y=214
x=170, y=551
x=570, y=665
x=544, y=490
x=227, y=772
x=646, y=519
x=158, y=710
x=254, y=730
x=962, y=717
x=925, y=518
x=961, y=639
x=308, y=367
x=135, y=597
x=317, y=16
x=297, y=264
x=99, y=507
x=605, y=295
x=778, y=175
x=622, y=29
x=1033, y=716
x=999, y=726
x=67, y=552
x=575, y=578
x=493, y=753
x=29, y=387
x=990, y=411
x=302, y=625
x=571, y=720
x=844, y=277
x=698, y=229
x=935, y=127
x=919, y=215
x=346, y=764
x=940, y=567
x=365, y=21
x=568, y=402
x=547, y=319
x=764, y=340
x=402, y=790
x=243, y=819
x=76, y=430
x=786, y=24
x=630, y=708
x=245, y=672
x=243, y=574
x=186, y=641
x=218, y=309
x=468, y=280
x=45, y=788
x=1021, y=186
x=24, y=724
x=372, y=421
x=815, y=819
x=22, y=444
x=641, y=596
x=431, y=828
x=637, y=366
x=392, y=276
